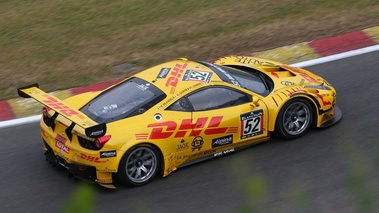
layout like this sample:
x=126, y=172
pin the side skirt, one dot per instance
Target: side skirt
x=223, y=152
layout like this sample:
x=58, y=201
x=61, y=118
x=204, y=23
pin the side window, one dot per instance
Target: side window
x=181, y=105
x=216, y=98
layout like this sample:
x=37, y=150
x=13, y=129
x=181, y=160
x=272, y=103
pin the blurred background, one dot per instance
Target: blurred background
x=68, y=43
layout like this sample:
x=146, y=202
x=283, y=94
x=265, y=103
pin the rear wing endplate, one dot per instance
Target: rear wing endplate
x=90, y=127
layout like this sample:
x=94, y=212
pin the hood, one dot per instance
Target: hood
x=287, y=76
x=281, y=74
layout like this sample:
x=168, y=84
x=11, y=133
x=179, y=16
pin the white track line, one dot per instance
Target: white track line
x=20, y=121
x=337, y=56
x=308, y=63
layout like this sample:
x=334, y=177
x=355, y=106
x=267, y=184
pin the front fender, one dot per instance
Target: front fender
x=278, y=99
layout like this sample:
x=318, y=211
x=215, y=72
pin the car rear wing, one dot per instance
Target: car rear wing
x=86, y=125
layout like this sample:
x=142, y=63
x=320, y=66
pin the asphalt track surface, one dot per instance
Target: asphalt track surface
x=328, y=170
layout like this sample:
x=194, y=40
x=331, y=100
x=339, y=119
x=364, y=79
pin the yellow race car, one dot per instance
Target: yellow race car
x=178, y=113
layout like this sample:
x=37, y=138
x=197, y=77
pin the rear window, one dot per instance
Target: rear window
x=127, y=99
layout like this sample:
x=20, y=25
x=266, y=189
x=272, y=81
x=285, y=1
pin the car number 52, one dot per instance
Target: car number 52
x=251, y=124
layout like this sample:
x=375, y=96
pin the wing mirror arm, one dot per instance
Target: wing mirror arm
x=254, y=102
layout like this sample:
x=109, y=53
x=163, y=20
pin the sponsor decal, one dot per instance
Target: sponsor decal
x=143, y=87
x=174, y=76
x=168, y=101
x=60, y=107
x=250, y=60
x=222, y=141
x=108, y=154
x=182, y=146
x=90, y=158
x=61, y=139
x=189, y=88
x=197, y=143
x=228, y=151
x=203, y=125
x=163, y=73
x=196, y=75
x=185, y=90
x=170, y=158
x=96, y=133
x=62, y=147
x=223, y=152
x=287, y=83
x=197, y=154
x=171, y=99
x=251, y=124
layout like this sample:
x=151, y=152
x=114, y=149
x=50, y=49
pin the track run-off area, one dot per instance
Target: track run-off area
x=327, y=170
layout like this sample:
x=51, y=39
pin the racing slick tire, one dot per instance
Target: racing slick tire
x=139, y=165
x=294, y=119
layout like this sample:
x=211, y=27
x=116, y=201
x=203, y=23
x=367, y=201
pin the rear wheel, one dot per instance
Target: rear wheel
x=139, y=165
x=294, y=119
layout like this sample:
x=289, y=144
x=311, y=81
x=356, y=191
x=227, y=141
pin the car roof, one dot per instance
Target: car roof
x=180, y=75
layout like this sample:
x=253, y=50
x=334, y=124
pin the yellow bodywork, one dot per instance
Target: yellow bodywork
x=290, y=82
x=184, y=137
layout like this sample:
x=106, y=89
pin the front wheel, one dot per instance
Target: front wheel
x=139, y=165
x=294, y=119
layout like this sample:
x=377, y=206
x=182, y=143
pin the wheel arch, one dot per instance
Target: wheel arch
x=161, y=157
x=309, y=98
x=150, y=145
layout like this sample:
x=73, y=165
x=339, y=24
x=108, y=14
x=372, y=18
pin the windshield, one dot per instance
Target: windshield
x=129, y=98
x=244, y=77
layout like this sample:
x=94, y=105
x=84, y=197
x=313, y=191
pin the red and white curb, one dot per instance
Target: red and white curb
x=22, y=111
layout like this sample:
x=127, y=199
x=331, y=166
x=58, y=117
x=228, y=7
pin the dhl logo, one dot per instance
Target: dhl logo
x=90, y=158
x=175, y=76
x=60, y=107
x=167, y=129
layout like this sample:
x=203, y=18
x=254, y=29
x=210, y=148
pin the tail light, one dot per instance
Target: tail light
x=45, y=112
x=46, y=117
x=99, y=142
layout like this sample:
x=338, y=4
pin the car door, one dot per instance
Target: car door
x=224, y=118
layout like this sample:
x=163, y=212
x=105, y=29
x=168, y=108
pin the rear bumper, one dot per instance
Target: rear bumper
x=82, y=172
x=86, y=173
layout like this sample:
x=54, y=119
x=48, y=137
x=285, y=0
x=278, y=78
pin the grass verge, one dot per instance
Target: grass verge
x=63, y=44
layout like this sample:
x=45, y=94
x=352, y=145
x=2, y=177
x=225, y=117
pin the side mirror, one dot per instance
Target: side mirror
x=255, y=101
